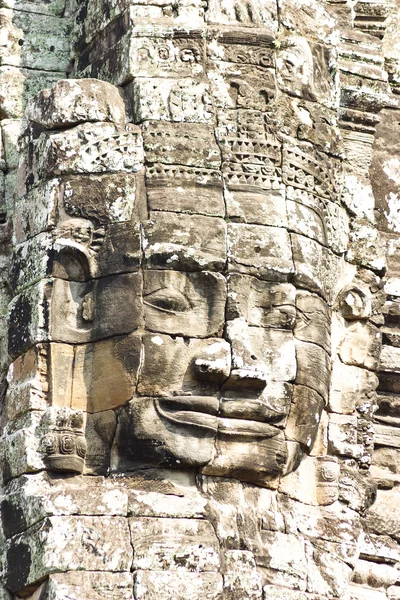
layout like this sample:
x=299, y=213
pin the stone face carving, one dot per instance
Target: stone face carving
x=194, y=303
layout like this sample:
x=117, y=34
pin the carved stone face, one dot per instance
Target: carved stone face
x=203, y=347
x=196, y=261
x=295, y=66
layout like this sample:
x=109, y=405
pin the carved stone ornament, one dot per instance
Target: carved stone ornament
x=65, y=446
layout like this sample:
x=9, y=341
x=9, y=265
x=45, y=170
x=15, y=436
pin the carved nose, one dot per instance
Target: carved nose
x=213, y=363
x=248, y=371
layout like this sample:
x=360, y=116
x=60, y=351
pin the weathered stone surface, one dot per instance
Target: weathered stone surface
x=267, y=208
x=17, y=85
x=312, y=367
x=198, y=365
x=314, y=482
x=113, y=373
x=60, y=535
x=305, y=415
x=175, y=192
x=361, y=346
x=96, y=585
x=181, y=143
x=104, y=199
x=185, y=242
x=189, y=545
x=313, y=316
x=241, y=579
x=89, y=148
x=175, y=585
x=261, y=251
x=44, y=40
x=351, y=387
x=261, y=304
x=72, y=102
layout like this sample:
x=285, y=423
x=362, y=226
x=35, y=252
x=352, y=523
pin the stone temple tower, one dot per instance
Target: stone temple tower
x=199, y=299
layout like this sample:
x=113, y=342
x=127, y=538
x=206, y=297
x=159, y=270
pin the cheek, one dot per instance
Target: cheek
x=174, y=365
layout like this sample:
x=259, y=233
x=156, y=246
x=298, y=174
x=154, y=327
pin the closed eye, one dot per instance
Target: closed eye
x=169, y=301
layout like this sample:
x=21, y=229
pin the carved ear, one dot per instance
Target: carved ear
x=70, y=262
x=354, y=303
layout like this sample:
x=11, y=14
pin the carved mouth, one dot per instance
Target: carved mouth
x=195, y=411
x=202, y=412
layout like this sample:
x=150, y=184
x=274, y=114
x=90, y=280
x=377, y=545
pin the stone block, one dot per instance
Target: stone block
x=27, y=320
x=313, y=367
x=263, y=14
x=359, y=592
x=99, y=435
x=313, y=318
x=260, y=208
x=177, y=585
x=361, y=346
x=374, y=575
x=94, y=377
x=241, y=579
x=174, y=545
x=305, y=416
x=104, y=199
x=35, y=212
x=27, y=383
x=171, y=366
x=95, y=585
x=86, y=312
x=351, y=388
x=158, y=504
x=260, y=355
x=136, y=55
x=261, y=251
x=315, y=481
x=144, y=437
x=73, y=101
x=185, y=242
x=31, y=498
x=316, y=268
x=17, y=85
x=89, y=148
x=188, y=144
x=259, y=459
x=285, y=560
x=385, y=435
x=34, y=41
x=379, y=548
x=11, y=130
x=342, y=436
x=181, y=194
x=161, y=99
x=334, y=524
x=68, y=544
x=21, y=447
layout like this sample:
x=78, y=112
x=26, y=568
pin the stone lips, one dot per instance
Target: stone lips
x=201, y=412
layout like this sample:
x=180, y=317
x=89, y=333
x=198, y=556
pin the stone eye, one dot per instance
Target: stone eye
x=168, y=301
